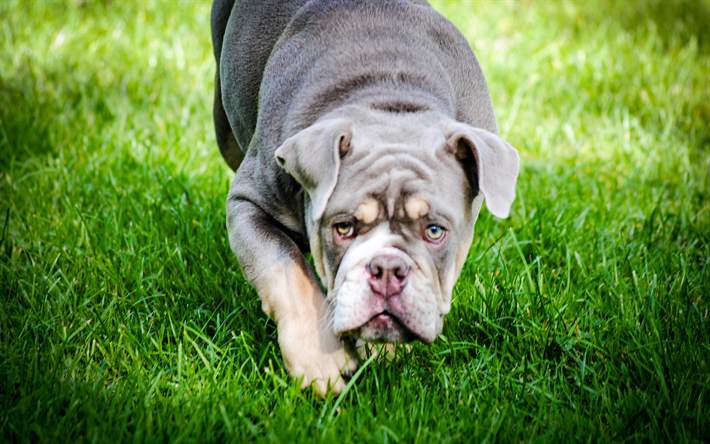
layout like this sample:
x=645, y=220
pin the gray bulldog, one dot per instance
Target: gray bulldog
x=361, y=131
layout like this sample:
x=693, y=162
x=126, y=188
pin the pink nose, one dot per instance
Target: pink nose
x=388, y=275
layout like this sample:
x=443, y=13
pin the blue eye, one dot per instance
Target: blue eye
x=434, y=233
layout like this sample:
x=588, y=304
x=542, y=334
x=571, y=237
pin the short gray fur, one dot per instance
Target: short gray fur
x=292, y=74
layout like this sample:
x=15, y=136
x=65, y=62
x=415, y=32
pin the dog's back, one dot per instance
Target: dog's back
x=245, y=33
x=251, y=36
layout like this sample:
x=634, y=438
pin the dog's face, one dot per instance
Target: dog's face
x=393, y=202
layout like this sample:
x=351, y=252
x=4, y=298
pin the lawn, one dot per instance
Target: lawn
x=581, y=318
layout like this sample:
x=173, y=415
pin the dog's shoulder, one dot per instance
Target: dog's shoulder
x=244, y=34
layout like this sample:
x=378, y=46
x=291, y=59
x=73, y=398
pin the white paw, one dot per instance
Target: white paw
x=317, y=355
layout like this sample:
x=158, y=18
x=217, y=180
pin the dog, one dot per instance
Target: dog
x=363, y=132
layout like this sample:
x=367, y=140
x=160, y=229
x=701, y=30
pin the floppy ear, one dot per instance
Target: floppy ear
x=312, y=157
x=492, y=165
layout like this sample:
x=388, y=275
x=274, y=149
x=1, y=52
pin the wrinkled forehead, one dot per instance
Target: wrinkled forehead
x=386, y=171
x=401, y=165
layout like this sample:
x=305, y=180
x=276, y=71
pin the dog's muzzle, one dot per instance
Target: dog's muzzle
x=386, y=298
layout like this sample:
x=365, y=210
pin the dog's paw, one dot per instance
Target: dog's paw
x=317, y=355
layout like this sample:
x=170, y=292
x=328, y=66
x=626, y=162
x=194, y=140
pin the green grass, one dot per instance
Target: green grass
x=581, y=318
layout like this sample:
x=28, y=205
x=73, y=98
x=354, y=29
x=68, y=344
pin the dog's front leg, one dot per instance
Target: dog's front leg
x=290, y=294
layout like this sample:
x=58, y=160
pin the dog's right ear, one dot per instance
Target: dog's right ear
x=312, y=157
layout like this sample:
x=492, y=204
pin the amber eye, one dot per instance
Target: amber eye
x=344, y=229
x=434, y=233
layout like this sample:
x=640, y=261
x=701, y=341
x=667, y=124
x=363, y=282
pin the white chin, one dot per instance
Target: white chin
x=384, y=328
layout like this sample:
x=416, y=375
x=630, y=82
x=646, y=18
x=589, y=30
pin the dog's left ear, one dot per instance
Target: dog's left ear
x=312, y=157
x=491, y=164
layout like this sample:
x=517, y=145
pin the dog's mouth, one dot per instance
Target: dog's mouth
x=384, y=327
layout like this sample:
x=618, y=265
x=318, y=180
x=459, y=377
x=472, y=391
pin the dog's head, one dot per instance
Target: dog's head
x=392, y=202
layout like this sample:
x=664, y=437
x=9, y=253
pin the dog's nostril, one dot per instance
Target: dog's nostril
x=401, y=272
x=375, y=270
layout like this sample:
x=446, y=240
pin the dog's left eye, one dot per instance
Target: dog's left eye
x=344, y=229
x=435, y=233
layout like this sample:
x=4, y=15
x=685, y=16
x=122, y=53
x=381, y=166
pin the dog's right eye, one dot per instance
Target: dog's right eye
x=344, y=229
